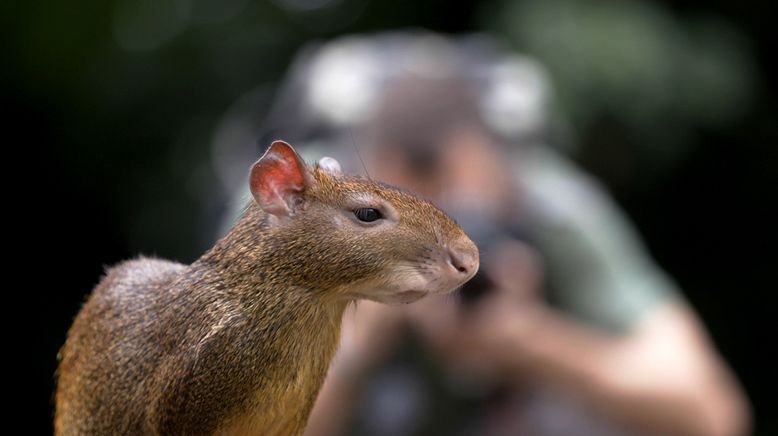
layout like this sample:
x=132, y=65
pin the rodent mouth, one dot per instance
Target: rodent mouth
x=409, y=296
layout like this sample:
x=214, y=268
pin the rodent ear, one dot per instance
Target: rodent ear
x=278, y=179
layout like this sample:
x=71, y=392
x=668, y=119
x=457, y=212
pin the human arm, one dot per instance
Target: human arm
x=622, y=337
x=662, y=376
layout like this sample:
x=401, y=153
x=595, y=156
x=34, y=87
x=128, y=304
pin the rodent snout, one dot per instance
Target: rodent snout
x=463, y=259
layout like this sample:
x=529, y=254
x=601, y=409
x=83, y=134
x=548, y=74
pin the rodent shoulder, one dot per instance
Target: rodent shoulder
x=144, y=269
x=142, y=273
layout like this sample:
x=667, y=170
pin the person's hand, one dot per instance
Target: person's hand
x=492, y=336
x=487, y=339
x=370, y=332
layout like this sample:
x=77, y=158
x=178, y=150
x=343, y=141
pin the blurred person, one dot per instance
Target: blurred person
x=615, y=351
x=570, y=329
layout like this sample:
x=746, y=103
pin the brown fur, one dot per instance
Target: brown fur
x=239, y=341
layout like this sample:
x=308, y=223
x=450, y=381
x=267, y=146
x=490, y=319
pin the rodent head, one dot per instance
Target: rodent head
x=353, y=237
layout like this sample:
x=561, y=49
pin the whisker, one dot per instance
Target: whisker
x=354, y=143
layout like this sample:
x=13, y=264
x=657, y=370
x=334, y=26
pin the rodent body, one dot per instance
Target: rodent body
x=239, y=341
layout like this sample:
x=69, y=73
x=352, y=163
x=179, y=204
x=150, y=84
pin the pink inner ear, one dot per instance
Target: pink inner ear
x=276, y=177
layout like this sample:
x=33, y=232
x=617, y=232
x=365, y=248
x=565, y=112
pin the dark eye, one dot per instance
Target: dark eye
x=368, y=214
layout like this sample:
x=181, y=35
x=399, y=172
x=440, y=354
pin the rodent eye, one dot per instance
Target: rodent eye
x=368, y=214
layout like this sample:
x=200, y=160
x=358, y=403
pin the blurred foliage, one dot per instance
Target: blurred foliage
x=138, y=86
x=636, y=67
x=133, y=90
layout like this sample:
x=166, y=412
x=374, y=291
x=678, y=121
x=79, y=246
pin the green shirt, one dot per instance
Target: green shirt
x=598, y=268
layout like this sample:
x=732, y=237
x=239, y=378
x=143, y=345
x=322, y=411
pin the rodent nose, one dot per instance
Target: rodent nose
x=464, y=260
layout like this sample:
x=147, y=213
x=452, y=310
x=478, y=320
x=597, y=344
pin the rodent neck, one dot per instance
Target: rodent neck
x=241, y=280
x=252, y=260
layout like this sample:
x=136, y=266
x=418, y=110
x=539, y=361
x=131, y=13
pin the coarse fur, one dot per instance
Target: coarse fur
x=239, y=341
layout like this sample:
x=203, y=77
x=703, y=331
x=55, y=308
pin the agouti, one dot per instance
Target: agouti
x=239, y=341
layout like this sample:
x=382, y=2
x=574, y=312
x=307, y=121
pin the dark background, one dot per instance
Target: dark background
x=108, y=139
